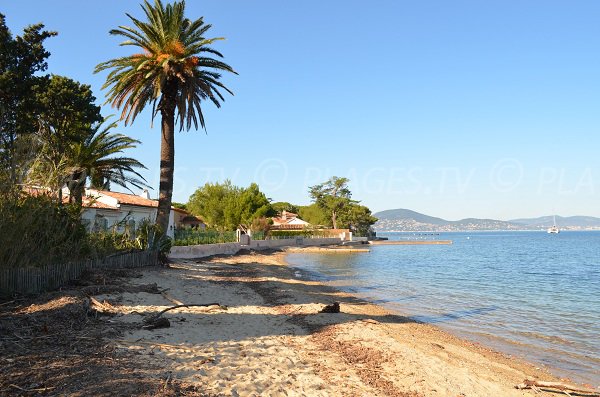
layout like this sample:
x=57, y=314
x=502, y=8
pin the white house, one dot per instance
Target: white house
x=288, y=220
x=104, y=209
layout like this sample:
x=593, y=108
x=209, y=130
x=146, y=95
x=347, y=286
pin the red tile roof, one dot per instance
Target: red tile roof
x=130, y=199
x=90, y=203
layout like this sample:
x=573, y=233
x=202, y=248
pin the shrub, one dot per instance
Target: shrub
x=35, y=231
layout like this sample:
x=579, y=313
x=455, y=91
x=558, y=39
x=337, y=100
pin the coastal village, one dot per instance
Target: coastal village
x=111, y=287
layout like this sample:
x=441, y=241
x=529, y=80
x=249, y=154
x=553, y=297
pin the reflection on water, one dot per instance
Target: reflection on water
x=527, y=293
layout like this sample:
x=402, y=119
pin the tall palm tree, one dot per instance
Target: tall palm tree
x=93, y=159
x=175, y=72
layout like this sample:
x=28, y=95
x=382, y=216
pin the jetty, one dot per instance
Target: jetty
x=335, y=250
x=411, y=242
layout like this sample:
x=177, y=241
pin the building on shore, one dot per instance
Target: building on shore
x=288, y=221
x=104, y=210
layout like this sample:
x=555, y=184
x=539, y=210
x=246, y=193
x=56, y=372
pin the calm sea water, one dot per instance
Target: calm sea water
x=530, y=294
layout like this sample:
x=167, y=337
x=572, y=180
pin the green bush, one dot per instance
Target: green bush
x=146, y=237
x=35, y=231
x=195, y=237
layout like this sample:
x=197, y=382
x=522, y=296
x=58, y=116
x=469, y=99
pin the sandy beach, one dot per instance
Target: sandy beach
x=267, y=337
x=272, y=340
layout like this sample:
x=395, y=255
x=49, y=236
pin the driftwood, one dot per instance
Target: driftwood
x=96, y=307
x=333, y=308
x=190, y=305
x=156, y=321
x=530, y=383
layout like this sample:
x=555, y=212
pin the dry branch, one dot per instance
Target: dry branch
x=97, y=307
x=190, y=305
x=156, y=321
x=533, y=384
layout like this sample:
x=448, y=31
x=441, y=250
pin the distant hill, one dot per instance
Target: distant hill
x=569, y=221
x=402, y=213
x=406, y=220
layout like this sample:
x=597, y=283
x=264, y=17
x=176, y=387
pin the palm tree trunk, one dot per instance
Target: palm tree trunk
x=334, y=219
x=167, y=162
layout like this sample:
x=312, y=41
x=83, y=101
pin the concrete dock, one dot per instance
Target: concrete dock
x=412, y=242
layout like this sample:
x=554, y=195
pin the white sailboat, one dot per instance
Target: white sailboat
x=554, y=229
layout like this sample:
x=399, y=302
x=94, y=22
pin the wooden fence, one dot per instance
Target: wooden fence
x=34, y=280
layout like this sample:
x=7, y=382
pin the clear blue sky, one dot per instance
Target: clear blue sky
x=455, y=109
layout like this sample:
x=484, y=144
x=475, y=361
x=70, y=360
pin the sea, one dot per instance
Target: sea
x=531, y=294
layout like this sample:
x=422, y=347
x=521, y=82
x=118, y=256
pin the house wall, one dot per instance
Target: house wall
x=138, y=214
x=114, y=217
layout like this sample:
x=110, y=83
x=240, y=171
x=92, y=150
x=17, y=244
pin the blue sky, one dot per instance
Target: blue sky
x=455, y=109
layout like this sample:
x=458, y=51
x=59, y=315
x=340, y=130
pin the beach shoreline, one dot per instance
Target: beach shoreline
x=267, y=336
x=274, y=340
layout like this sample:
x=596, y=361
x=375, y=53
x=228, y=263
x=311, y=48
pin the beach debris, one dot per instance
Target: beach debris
x=95, y=307
x=155, y=321
x=333, y=308
x=531, y=383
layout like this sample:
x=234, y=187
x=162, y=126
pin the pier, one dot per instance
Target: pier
x=412, y=242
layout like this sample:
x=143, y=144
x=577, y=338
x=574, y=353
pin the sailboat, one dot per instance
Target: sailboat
x=554, y=229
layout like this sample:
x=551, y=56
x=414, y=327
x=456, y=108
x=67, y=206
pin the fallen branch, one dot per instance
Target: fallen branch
x=190, y=305
x=100, y=307
x=533, y=384
x=156, y=321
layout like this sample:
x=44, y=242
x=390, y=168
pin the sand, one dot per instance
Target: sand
x=272, y=341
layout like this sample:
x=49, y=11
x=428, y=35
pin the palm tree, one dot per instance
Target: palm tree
x=173, y=72
x=91, y=159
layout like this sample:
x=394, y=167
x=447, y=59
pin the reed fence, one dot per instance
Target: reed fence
x=33, y=280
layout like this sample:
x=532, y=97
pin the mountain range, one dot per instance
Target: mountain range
x=406, y=220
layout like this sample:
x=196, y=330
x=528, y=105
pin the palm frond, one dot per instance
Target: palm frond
x=175, y=53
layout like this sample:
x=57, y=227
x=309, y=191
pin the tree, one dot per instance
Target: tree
x=94, y=159
x=225, y=206
x=357, y=218
x=314, y=215
x=65, y=114
x=21, y=58
x=285, y=206
x=175, y=72
x=253, y=204
x=332, y=196
x=67, y=110
x=210, y=202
